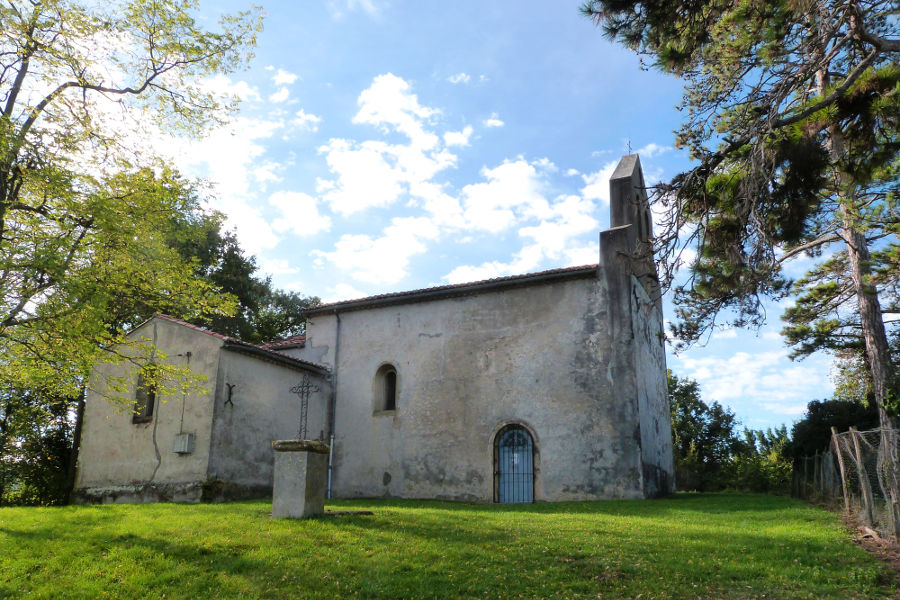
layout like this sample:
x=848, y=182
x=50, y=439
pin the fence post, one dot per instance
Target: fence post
x=889, y=450
x=835, y=442
x=865, y=486
x=805, y=483
x=818, y=478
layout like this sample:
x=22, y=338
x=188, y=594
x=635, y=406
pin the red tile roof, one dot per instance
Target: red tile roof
x=456, y=289
x=295, y=341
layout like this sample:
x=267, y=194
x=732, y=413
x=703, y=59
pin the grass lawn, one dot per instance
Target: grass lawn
x=689, y=546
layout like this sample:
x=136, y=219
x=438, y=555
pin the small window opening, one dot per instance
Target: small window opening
x=385, y=388
x=390, y=390
x=144, y=400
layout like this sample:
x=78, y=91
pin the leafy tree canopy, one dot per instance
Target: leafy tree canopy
x=812, y=433
x=85, y=210
x=711, y=454
x=703, y=436
x=263, y=313
x=792, y=116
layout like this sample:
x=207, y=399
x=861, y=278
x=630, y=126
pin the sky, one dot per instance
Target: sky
x=384, y=146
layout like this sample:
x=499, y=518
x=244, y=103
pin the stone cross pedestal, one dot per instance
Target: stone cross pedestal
x=301, y=474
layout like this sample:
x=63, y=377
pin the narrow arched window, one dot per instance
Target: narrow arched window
x=144, y=399
x=385, y=389
x=390, y=390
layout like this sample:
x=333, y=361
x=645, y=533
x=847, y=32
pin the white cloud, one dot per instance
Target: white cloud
x=282, y=77
x=572, y=172
x=267, y=172
x=340, y=8
x=588, y=254
x=572, y=216
x=652, y=149
x=299, y=214
x=512, y=190
x=459, y=78
x=222, y=85
x=493, y=121
x=306, y=120
x=389, y=103
x=231, y=158
x=277, y=266
x=385, y=259
x=458, y=138
x=280, y=96
x=766, y=379
x=365, y=178
x=791, y=410
x=443, y=209
x=375, y=174
x=545, y=164
x=343, y=291
x=553, y=238
x=469, y=273
x=597, y=183
x=724, y=334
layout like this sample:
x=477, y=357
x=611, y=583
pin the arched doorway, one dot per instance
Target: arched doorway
x=514, y=466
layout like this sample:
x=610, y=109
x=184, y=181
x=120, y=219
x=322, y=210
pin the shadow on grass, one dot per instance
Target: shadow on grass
x=442, y=549
x=706, y=503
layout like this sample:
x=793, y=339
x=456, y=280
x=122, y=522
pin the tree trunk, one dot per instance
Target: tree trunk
x=72, y=469
x=4, y=440
x=853, y=232
x=871, y=321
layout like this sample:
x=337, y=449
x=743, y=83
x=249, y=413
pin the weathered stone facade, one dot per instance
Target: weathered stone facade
x=421, y=386
x=244, y=405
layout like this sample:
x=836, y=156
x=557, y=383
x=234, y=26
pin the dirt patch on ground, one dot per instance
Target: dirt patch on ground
x=871, y=542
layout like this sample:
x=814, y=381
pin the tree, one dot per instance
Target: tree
x=812, y=433
x=35, y=447
x=703, y=437
x=263, y=313
x=83, y=217
x=824, y=318
x=792, y=118
x=39, y=431
x=709, y=452
x=763, y=463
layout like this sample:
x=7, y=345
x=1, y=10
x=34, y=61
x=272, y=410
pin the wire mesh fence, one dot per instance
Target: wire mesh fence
x=861, y=472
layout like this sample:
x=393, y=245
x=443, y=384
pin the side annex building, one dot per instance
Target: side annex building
x=546, y=386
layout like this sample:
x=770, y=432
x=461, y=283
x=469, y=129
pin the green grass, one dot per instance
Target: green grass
x=689, y=546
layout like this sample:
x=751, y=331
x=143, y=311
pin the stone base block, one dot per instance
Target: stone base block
x=301, y=476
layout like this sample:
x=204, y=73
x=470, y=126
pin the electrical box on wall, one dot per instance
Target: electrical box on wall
x=184, y=443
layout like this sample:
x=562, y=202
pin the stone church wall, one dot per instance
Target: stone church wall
x=261, y=408
x=538, y=356
x=653, y=399
x=135, y=462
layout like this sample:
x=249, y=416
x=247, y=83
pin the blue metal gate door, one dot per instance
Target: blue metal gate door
x=515, y=465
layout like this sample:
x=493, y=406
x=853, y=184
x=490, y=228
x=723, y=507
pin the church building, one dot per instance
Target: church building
x=545, y=386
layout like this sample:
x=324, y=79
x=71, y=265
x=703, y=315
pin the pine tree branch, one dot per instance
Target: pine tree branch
x=825, y=239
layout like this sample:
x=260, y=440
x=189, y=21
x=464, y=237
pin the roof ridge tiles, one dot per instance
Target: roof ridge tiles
x=450, y=288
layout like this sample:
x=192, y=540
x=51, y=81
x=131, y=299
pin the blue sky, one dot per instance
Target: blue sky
x=385, y=146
